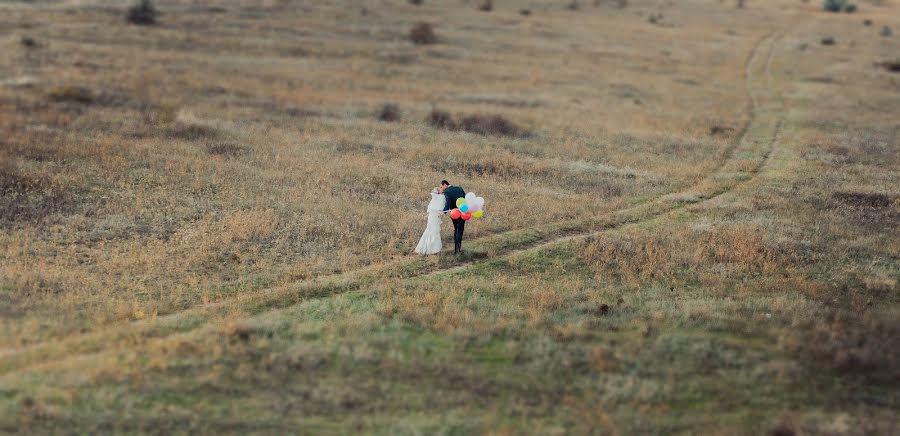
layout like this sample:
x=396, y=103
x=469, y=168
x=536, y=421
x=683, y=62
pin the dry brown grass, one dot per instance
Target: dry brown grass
x=148, y=173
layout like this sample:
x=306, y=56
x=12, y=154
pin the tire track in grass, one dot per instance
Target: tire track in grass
x=499, y=245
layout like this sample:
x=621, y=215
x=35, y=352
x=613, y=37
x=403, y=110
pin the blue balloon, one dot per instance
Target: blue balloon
x=464, y=208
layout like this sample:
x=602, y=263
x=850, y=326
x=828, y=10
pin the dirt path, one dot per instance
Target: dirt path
x=755, y=144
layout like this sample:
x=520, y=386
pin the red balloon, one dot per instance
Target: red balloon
x=455, y=213
x=466, y=216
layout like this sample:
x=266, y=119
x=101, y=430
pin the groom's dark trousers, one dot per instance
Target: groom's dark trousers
x=459, y=226
x=453, y=193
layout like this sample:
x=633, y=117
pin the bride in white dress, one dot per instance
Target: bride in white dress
x=430, y=242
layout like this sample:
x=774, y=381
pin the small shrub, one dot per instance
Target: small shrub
x=417, y=2
x=892, y=66
x=440, y=119
x=833, y=5
x=28, y=42
x=225, y=149
x=524, y=12
x=852, y=342
x=191, y=132
x=160, y=115
x=72, y=93
x=389, y=112
x=867, y=22
x=886, y=31
x=839, y=6
x=865, y=199
x=28, y=199
x=482, y=124
x=828, y=40
x=486, y=6
x=720, y=130
x=143, y=13
x=422, y=33
x=573, y=5
x=489, y=125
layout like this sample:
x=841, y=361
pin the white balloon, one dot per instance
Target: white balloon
x=477, y=204
x=470, y=197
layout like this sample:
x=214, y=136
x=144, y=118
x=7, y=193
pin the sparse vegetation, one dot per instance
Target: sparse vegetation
x=486, y=124
x=143, y=13
x=486, y=5
x=839, y=6
x=28, y=42
x=886, y=31
x=72, y=93
x=206, y=229
x=191, y=132
x=226, y=149
x=482, y=124
x=389, y=112
x=422, y=33
x=828, y=40
x=440, y=119
x=892, y=66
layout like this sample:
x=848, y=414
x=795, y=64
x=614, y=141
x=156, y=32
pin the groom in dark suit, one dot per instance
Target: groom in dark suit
x=453, y=193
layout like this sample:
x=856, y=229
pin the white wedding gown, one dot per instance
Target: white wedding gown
x=430, y=242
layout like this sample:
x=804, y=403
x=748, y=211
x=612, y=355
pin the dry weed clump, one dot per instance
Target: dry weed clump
x=389, y=112
x=422, y=33
x=226, y=149
x=440, y=120
x=891, y=66
x=191, y=132
x=487, y=125
x=143, y=13
x=25, y=198
x=29, y=42
x=72, y=93
x=875, y=200
x=858, y=343
x=481, y=124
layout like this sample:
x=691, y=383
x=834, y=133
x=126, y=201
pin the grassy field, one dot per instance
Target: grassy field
x=206, y=224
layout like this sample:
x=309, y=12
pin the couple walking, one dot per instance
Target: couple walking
x=443, y=198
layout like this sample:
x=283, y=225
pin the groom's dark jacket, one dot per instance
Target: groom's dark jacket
x=453, y=193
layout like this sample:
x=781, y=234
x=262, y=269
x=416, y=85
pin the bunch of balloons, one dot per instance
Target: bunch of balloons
x=467, y=208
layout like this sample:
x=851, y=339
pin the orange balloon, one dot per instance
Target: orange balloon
x=466, y=216
x=455, y=213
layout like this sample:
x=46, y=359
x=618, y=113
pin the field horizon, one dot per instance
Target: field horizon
x=208, y=212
